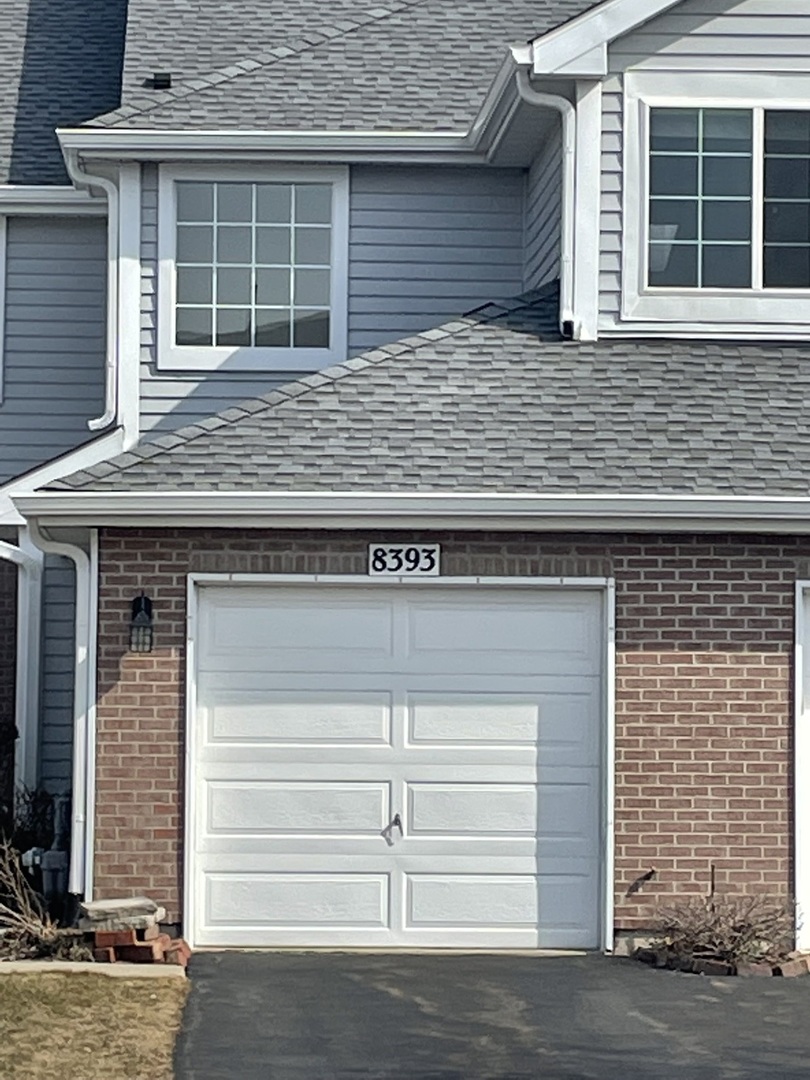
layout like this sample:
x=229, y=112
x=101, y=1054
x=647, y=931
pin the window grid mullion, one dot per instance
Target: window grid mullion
x=293, y=258
x=758, y=199
x=254, y=214
x=700, y=202
x=215, y=269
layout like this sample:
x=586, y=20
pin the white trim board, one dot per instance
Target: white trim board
x=435, y=510
x=36, y=199
x=195, y=581
x=801, y=775
x=579, y=47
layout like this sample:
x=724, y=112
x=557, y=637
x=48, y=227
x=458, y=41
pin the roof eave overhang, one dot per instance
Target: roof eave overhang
x=122, y=144
x=432, y=510
x=579, y=48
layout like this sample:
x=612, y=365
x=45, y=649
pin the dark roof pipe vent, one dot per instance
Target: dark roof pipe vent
x=162, y=80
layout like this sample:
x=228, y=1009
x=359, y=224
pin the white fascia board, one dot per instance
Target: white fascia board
x=700, y=513
x=163, y=145
x=101, y=449
x=583, y=41
x=32, y=199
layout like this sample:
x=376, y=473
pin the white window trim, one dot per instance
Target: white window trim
x=172, y=357
x=676, y=307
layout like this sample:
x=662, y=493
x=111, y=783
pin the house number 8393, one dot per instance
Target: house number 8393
x=403, y=560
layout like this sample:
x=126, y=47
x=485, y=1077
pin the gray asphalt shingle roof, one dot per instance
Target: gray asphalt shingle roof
x=61, y=65
x=373, y=65
x=496, y=401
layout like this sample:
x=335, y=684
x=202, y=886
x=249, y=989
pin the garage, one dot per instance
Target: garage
x=395, y=766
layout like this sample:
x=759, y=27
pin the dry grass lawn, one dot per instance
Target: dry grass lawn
x=88, y=1027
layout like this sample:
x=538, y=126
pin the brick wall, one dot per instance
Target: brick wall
x=703, y=670
x=8, y=669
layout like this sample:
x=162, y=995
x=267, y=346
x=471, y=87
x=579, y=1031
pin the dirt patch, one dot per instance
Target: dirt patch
x=89, y=1027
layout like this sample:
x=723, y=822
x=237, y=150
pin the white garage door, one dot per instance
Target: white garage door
x=470, y=716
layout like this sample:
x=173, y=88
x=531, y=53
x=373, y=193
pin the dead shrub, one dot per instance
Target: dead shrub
x=27, y=931
x=734, y=930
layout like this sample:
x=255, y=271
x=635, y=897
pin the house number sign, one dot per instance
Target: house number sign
x=404, y=560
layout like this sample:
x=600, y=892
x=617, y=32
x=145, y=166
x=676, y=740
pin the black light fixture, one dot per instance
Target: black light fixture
x=141, y=625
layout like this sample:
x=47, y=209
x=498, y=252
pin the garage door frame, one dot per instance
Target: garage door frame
x=196, y=581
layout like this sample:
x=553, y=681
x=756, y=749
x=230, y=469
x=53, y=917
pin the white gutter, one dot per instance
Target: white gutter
x=26, y=697
x=84, y=662
x=32, y=199
x=568, y=115
x=84, y=179
x=146, y=144
x=432, y=510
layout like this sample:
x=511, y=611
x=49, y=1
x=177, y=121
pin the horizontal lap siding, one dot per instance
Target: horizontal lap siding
x=704, y=645
x=544, y=215
x=755, y=35
x=54, y=344
x=58, y=665
x=610, y=248
x=698, y=35
x=426, y=244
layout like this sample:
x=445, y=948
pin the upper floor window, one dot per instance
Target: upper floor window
x=253, y=268
x=716, y=204
x=729, y=198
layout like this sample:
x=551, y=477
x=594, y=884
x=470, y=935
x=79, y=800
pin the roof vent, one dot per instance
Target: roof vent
x=162, y=80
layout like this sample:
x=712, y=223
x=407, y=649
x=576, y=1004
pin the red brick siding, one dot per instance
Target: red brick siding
x=8, y=671
x=703, y=694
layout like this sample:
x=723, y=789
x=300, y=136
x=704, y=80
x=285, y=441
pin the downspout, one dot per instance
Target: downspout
x=83, y=179
x=26, y=696
x=84, y=649
x=568, y=115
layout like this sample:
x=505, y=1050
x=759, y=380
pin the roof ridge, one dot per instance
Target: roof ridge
x=486, y=314
x=141, y=105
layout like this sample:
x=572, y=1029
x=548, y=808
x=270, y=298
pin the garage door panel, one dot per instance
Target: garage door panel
x=471, y=900
x=567, y=909
x=322, y=711
x=493, y=634
x=473, y=810
x=273, y=717
x=276, y=899
x=277, y=807
x=472, y=718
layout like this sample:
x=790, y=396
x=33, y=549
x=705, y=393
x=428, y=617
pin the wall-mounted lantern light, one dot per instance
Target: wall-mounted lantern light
x=141, y=625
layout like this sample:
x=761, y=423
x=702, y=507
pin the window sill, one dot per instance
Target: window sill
x=194, y=358
x=721, y=306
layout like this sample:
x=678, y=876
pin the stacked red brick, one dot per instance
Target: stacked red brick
x=147, y=946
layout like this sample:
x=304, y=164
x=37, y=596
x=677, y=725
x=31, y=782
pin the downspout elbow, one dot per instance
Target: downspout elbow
x=568, y=114
x=83, y=179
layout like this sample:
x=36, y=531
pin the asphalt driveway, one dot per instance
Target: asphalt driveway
x=288, y=1016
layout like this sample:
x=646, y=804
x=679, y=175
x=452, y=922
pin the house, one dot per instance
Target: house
x=406, y=460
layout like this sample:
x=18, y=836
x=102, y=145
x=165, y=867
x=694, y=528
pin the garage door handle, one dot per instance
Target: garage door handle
x=395, y=823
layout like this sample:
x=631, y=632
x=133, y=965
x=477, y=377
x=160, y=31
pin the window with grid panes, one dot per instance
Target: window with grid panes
x=728, y=199
x=253, y=264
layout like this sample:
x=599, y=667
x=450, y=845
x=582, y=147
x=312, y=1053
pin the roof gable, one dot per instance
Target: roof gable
x=579, y=46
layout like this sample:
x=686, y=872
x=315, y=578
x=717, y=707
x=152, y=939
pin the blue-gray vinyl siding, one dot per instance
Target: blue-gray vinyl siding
x=425, y=244
x=543, y=219
x=54, y=338
x=56, y=709
x=696, y=35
